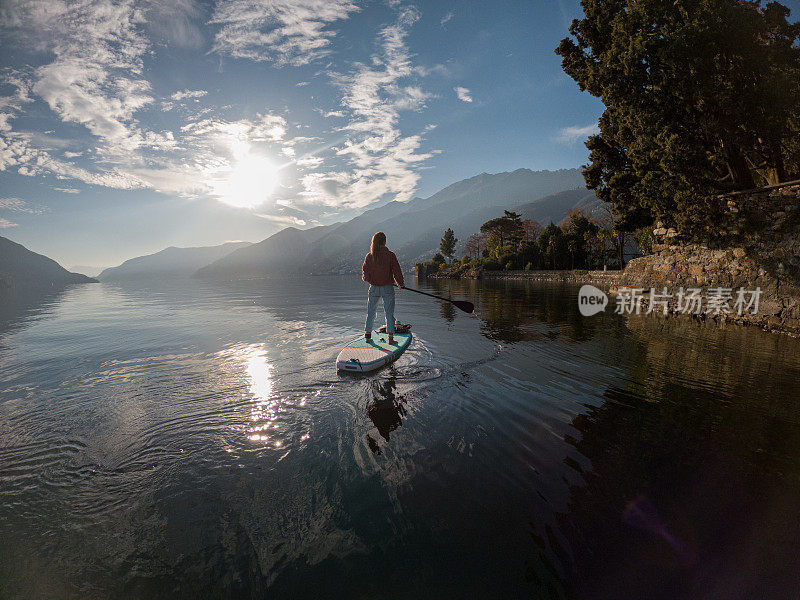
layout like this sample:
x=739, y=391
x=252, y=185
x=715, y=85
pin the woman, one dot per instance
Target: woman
x=380, y=271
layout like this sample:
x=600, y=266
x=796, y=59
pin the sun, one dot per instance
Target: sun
x=248, y=183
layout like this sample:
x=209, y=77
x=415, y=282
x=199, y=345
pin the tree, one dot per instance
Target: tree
x=530, y=230
x=608, y=231
x=578, y=229
x=553, y=245
x=603, y=234
x=645, y=239
x=448, y=244
x=503, y=231
x=476, y=244
x=701, y=97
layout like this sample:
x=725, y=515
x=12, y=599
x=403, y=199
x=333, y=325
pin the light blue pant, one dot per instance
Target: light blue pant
x=375, y=293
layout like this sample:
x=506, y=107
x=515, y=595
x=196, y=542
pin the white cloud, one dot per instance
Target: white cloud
x=308, y=162
x=282, y=219
x=446, y=18
x=95, y=80
x=575, y=134
x=463, y=94
x=112, y=178
x=94, y=77
x=195, y=95
x=175, y=22
x=6, y=224
x=383, y=161
x=11, y=106
x=281, y=31
x=20, y=206
x=180, y=95
x=11, y=204
x=265, y=128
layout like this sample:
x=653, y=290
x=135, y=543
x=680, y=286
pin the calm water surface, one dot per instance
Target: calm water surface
x=187, y=440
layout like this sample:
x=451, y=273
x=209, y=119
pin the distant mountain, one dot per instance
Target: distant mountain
x=22, y=270
x=283, y=251
x=87, y=270
x=553, y=209
x=170, y=262
x=412, y=227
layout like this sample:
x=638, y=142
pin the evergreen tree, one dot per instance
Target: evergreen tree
x=504, y=233
x=579, y=230
x=448, y=244
x=553, y=246
x=701, y=97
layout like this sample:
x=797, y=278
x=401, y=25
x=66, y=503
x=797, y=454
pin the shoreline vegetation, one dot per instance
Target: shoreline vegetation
x=756, y=247
x=704, y=171
x=510, y=243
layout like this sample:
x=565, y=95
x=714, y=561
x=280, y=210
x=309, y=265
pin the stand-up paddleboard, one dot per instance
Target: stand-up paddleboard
x=362, y=356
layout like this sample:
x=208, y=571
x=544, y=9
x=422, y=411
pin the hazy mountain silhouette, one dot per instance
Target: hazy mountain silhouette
x=170, y=262
x=87, y=270
x=553, y=208
x=282, y=251
x=413, y=228
x=22, y=270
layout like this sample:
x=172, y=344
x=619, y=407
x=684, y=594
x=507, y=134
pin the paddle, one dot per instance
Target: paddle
x=467, y=307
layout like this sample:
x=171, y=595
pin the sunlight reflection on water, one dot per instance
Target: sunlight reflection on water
x=270, y=411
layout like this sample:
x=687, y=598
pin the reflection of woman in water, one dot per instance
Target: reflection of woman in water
x=385, y=411
x=381, y=270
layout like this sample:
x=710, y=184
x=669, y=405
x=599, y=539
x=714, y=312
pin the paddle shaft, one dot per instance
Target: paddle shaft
x=465, y=306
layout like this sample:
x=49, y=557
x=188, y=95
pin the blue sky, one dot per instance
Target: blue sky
x=130, y=125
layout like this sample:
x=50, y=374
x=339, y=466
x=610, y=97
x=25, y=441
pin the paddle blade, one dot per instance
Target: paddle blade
x=467, y=307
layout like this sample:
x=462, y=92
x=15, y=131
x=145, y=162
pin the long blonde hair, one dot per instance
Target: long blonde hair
x=378, y=242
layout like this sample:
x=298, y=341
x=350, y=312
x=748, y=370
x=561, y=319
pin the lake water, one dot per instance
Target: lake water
x=188, y=440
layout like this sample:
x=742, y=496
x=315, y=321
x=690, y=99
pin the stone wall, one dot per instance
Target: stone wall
x=598, y=278
x=757, y=245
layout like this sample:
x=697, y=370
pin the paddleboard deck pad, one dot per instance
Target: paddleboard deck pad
x=362, y=356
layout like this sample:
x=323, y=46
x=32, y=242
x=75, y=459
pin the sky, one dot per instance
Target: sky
x=127, y=126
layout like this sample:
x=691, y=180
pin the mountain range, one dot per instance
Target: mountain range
x=24, y=271
x=171, y=262
x=413, y=228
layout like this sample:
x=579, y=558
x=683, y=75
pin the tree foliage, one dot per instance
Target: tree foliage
x=476, y=244
x=448, y=244
x=581, y=241
x=530, y=230
x=580, y=230
x=701, y=97
x=504, y=233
